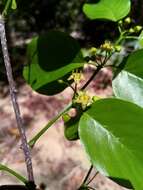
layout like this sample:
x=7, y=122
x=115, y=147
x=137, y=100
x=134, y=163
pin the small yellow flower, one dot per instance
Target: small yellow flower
x=84, y=99
x=76, y=76
x=107, y=46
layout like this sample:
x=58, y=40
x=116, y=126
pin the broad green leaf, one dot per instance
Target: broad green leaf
x=112, y=134
x=128, y=87
x=128, y=84
x=113, y=10
x=14, y=4
x=134, y=63
x=51, y=58
x=141, y=39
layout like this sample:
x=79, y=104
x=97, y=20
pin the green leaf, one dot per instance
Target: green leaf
x=112, y=134
x=141, y=39
x=14, y=4
x=128, y=84
x=71, y=127
x=51, y=58
x=134, y=63
x=128, y=87
x=113, y=10
x=8, y=5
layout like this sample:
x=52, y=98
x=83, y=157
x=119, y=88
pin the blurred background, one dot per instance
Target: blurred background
x=58, y=164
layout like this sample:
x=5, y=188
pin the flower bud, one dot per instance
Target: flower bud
x=117, y=48
x=137, y=28
x=60, y=81
x=93, y=50
x=131, y=30
x=120, y=22
x=95, y=98
x=127, y=20
x=66, y=117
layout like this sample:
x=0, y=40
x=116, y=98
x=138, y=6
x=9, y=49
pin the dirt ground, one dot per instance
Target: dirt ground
x=58, y=163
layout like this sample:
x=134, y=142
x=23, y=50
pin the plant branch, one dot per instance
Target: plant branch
x=92, y=178
x=12, y=88
x=51, y=122
x=86, y=177
x=124, y=37
x=98, y=68
x=90, y=187
x=92, y=77
x=33, y=141
x=131, y=37
x=88, y=174
x=8, y=3
x=12, y=172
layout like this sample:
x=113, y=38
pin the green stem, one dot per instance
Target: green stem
x=4, y=13
x=90, y=187
x=119, y=40
x=120, y=29
x=51, y=122
x=122, y=37
x=43, y=130
x=12, y=172
x=131, y=37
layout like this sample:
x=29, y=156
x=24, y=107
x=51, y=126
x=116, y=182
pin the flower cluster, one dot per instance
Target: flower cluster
x=127, y=22
x=107, y=46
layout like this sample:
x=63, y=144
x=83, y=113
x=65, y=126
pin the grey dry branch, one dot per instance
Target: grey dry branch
x=12, y=88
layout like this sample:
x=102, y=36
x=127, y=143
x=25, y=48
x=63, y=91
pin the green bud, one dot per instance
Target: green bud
x=93, y=50
x=128, y=20
x=131, y=30
x=14, y=4
x=66, y=117
x=118, y=48
x=137, y=28
x=120, y=22
x=95, y=98
x=60, y=81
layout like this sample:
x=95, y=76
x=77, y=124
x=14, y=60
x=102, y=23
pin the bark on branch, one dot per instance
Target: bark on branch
x=13, y=95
